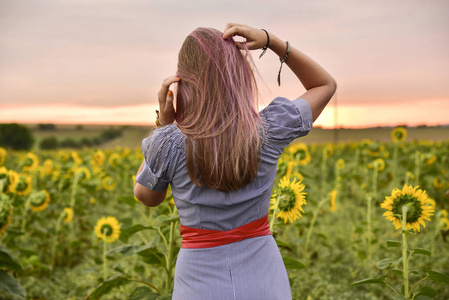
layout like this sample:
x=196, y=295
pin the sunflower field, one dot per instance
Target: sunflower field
x=355, y=220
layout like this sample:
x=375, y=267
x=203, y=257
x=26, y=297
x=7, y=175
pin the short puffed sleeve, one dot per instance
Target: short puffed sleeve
x=161, y=150
x=286, y=120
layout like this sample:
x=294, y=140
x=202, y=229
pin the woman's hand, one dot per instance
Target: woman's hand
x=255, y=38
x=165, y=96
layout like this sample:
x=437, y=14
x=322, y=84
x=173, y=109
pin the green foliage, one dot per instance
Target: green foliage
x=10, y=288
x=16, y=136
x=49, y=143
x=46, y=127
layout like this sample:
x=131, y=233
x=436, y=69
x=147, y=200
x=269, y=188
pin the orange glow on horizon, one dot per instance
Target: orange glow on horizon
x=428, y=112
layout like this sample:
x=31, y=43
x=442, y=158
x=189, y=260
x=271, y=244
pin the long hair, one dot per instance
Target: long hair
x=216, y=111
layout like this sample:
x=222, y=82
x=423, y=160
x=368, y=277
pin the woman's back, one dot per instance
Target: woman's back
x=251, y=268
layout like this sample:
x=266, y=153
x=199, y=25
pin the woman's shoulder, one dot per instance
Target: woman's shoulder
x=285, y=120
x=284, y=112
x=168, y=137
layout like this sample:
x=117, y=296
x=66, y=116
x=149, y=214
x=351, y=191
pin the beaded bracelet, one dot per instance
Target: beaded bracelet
x=283, y=61
x=158, y=123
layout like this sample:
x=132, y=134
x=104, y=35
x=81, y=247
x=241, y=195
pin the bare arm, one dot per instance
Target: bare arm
x=320, y=85
x=146, y=196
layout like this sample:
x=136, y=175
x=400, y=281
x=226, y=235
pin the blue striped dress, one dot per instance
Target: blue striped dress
x=249, y=269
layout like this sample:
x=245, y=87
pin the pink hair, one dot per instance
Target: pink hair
x=216, y=110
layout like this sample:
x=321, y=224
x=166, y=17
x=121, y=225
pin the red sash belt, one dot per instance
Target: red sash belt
x=206, y=238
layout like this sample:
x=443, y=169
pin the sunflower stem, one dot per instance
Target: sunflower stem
x=404, y=252
x=395, y=163
x=72, y=207
x=312, y=224
x=417, y=166
x=105, y=269
x=55, y=240
x=274, y=213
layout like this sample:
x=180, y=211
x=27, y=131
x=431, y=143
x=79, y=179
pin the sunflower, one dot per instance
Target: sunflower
x=30, y=163
x=444, y=224
x=378, y=163
x=429, y=159
x=63, y=156
x=340, y=164
x=76, y=158
x=289, y=199
x=83, y=172
x=114, y=159
x=398, y=134
x=98, y=158
x=108, y=228
x=327, y=151
x=23, y=186
x=5, y=213
x=375, y=149
x=418, y=210
x=38, y=201
x=437, y=183
x=333, y=200
x=2, y=155
x=300, y=153
x=48, y=166
x=92, y=200
x=108, y=183
x=68, y=214
x=12, y=180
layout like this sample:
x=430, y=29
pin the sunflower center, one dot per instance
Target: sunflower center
x=37, y=199
x=28, y=162
x=287, y=200
x=399, y=135
x=414, y=212
x=21, y=186
x=107, y=229
x=300, y=154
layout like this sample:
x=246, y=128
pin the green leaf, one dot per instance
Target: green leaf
x=282, y=244
x=426, y=293
x=8, y=261
x=152, y=256
x=422, y=251
x=291, y=263
x=380, y=280
x=128, y=249
x=384, y=263
x=126, y=233
x=397, y=271
x=10, y=288
x=106, y=286
x=438, y=277
x=393, y=244
x=167, y=219
x=421, y=297
x=143, y=293
x=129, y=200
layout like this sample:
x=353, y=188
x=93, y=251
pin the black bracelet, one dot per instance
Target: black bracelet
x=283, y=61
x=267, y=45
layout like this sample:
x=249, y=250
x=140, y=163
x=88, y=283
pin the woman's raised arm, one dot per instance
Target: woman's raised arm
x=320, y=85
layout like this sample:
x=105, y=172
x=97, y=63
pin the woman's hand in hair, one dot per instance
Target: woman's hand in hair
x=165, y=96
x=255, y=38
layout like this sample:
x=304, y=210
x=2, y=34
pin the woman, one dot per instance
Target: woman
x=220, y=156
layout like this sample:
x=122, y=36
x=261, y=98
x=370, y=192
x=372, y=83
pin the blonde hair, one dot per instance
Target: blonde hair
x=216, y=111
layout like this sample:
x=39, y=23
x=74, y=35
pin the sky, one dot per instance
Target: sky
x=103, y=61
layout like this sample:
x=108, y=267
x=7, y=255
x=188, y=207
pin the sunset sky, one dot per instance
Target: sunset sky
x=102, y=61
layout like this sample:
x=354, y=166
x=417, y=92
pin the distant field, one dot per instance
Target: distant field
x=133, y=135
